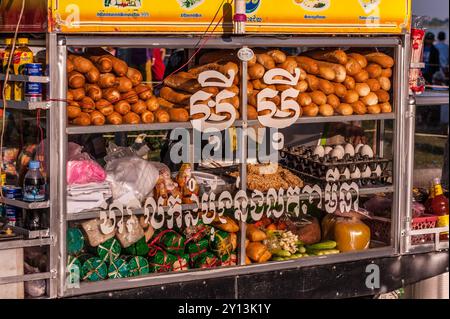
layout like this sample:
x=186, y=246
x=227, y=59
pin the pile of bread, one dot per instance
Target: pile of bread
x=104, y=90
x=332, y=82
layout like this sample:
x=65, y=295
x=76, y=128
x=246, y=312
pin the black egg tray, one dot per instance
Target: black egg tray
x=318, y=167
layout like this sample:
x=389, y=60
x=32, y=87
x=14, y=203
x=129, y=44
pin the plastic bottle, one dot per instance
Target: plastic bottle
x=6, y=54
x=34, y=184
x=22, y=55
x=439, y=206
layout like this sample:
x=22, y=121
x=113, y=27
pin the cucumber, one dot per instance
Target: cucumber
x=281, y=253
x=329, y=244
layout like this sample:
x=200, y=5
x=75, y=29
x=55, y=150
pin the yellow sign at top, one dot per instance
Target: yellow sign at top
x=263, y=16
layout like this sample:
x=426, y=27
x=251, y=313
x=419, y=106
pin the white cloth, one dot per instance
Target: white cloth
x=87, y=196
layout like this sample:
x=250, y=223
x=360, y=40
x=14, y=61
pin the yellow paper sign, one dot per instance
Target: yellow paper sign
x=199, y=16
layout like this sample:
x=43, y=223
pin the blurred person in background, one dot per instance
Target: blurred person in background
x=442, y=47
x=430, y=57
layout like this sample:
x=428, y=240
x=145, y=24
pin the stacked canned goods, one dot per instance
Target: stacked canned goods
x=33, y=91
x=12, y=213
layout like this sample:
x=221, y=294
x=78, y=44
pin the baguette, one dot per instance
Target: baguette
x=308, y=64
x=171, y=95
x=313, y=82
x=277, y=55
x=340, y=90
x=384, y=60
x=353, y=67
x=333, y=56
x=326, y=87
x=164, y=103
x=360, y=58
x=266, y=61
x=289, y=65
x=183, y=81
x=325, y=69
x=178, y=114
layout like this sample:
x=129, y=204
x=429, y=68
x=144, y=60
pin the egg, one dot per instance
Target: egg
x=338, y=153
x=319, y=150
x=366, y=173
x=339, y=147
x=356, y=174
x=378, y=171
x=358, y=148
x=349, y=149
x=346, y=173
x=328, y=150
x=366, y=150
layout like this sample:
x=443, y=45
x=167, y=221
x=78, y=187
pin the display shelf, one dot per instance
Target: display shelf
x=25, y=78
x=23, y=243
x=429, y=98
x=418, y=65
x=25, y=205
x=25, y=105
x=31, y=234
x=23, y=278
x=140, y=211
x=239, y=123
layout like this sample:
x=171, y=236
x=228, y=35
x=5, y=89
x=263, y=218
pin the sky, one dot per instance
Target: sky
x=432, y=8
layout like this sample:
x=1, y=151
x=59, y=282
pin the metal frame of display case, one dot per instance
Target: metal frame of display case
x=58, y=131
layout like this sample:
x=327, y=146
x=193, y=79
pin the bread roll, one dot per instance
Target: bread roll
x=266, y=61
x=144, y=91
x=111, y=94
x=162, y=116
x=333, y=56
x=259, y=84
x=69, y=66
x=304, y=99
x=93, y=76
x=385, y=107
x=69, y=95
x=135, y=76
x=373, y=84
x=373, y=109
x=97, y=118
x=352, y=67
x=76, y=80
x=360, y=58
x=82, y=64
x=77, y=94
x=385, y=83
x=277, y=55
x=302, y=86
x=83, y=119
x=362, y=76
x=139, y=107
x=87, y=104
x=152, y=104
x=318, y=97
x=130, y=96
x=383, y=96
x=289, y=65
x=313, y=82
x=131, y=118
x=174, y=97
x=183, y=81
x=104, y=63
x=252, y=98
x=147, y=117
x=326, y=110
x=359, y=108
x=362, y=89
x=310, y=110
x=104, y=107
x=340, y=90
x=122, y=107
x=344, y=109
x=252, y=62
x=326, y=86
x=374, y=70
x=164, y=103
x=349, y=83
x=93, y=91
x=73, y=111
x=333, y=100
x=107, y=80
x=387, y=73
x=384, y=60
x=250, y=88
x=370, y=99
x=351, y=97
x=119, y=67
x=114, y=118
x=256, y=72
x=125, y=84
x=252, y=114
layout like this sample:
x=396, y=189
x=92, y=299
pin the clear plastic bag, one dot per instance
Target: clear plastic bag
x=81, y=168
x=131, y=178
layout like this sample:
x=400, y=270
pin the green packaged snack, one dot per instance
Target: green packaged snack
x=197, y=232
x=109, y=250
x=118, y=269
x=171, y=241
x=196, y=249
x=181, y=263
x=137, y=265
x=94, y=269
x=228, y=260
x=207, y=260
x=161, y=261
x=140, y=248
x=220, y=243
x=74, y=269
x=75, y=241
